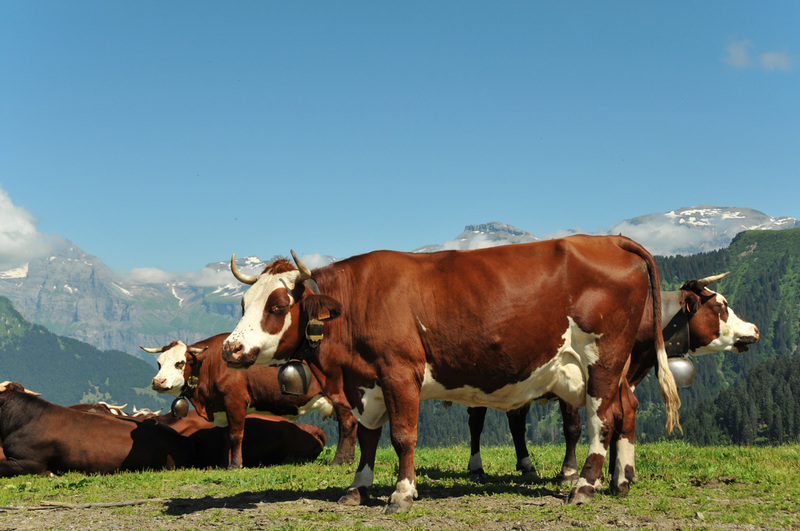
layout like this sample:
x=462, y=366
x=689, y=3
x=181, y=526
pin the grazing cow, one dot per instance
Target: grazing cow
x=697, y=321
x=43, y=438
x=225, y=396
x=493, y=327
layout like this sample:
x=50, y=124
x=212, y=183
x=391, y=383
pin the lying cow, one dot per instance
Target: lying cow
x=225, y=396
x=697, y=321
x=268, y=440
x=43, y=438
x=102, y=408
x=493, y=327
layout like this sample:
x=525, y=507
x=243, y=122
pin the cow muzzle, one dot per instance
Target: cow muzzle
x=236, y=357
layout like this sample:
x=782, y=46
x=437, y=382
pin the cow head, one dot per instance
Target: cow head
x=713, y=326
x=16, y=387
x=275, y=311
x=174, y=366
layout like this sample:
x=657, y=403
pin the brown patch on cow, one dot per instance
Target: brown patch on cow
x=275, y=311
x=281, y=265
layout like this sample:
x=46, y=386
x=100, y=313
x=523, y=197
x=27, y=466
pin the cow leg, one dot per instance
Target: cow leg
x=348, y=427
x=600, y=424
x=357, y=492
x=572, y=433
x=235, y=437
x=477, y=415
x=19, y=467
x=623, y=443
x=403, y=417
x=516, y=424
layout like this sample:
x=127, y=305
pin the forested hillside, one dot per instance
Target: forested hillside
x=67, y=371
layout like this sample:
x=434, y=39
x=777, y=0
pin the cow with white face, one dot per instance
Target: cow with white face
x=492, y=327
x=226, y=396
x=697, y=321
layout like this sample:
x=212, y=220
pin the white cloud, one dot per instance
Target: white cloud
x=738, y=56
x=20, y=241
x=776, y=61
x=206, y=277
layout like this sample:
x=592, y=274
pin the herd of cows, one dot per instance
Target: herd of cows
x=580, y=320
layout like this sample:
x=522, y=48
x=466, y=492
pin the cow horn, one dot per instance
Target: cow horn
x=5, y=384
x=305, y=272
x=151, y=350
x=241, y=277
x=196, y=350
x=710, y=280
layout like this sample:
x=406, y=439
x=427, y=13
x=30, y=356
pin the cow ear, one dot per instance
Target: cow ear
x=690, y=302
x=320, y=307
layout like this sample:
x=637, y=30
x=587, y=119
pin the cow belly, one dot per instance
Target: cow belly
x=372, y=413
x=564, y=375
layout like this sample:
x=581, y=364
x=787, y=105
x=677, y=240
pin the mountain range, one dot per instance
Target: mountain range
x=75, y=295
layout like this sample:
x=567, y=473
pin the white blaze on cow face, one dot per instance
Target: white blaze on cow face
x=731, y=331
x=171, y=363
x=266, y=316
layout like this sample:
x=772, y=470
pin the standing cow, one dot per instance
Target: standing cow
x=225, y=396
x=494, y=327
x=697, y=321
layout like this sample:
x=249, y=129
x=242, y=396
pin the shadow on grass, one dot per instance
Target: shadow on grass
x=432, y=483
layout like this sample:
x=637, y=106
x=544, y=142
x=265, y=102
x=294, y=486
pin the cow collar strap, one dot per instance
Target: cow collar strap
x=314, y=328
x=676, y=335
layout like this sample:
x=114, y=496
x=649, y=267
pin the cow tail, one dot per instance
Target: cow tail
x=669, y=391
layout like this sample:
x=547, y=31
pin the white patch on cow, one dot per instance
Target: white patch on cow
x=583, y=483
x=730, y=332
x=374, y=415
x=421, y=326
x=625, y=457
x=248, y=331
x=594, y=426
x=317, y=403
x=169, y=376
x=475, y=462
x=364, y=478
x=569, y=472
x=564, y=375
x=403, y=490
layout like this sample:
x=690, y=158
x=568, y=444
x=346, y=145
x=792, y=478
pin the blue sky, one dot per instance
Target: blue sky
x=171, y=134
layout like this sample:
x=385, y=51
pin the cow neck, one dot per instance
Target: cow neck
x=676, y=331
x=192, y=381
x=314, y=327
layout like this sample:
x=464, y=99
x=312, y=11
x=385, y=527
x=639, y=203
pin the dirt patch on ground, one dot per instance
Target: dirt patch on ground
x=252, y=510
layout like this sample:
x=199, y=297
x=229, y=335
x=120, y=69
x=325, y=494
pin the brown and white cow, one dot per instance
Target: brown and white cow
x=267, y=440
x=697, y=321
x=38, y=437
x=494, y=327
x=226, y=396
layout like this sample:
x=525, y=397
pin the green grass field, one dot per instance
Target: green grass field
x=679, y=486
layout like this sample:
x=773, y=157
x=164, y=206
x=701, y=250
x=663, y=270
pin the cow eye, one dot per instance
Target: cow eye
x=180, y=365
x=277, y=309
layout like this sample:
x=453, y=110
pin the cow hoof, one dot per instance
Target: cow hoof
x=581, y=495
x=528, y=470
x=353, y=496
x=622, y=489
x=567, y=479
x=478, y=476
x=401, y=505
